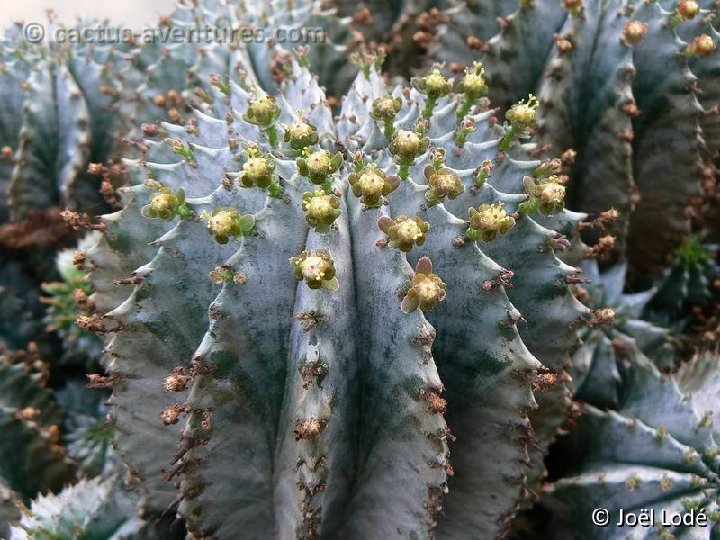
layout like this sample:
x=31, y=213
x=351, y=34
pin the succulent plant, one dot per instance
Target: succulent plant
x=613, y=108
x=331, y=367
x=317, y=313
x=657, y=452
x=96, y=508
x=32, y=459
x=68, y=301
x=687, y=281
x=617, y=334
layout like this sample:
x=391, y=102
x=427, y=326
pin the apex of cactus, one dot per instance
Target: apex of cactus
x=228, y=223
x=444, y=183
x=316, y=268
x=488, y=221
x=404, y=232
x=371, y=184
x=322, y=209
x=318, y=166
x=426, y=289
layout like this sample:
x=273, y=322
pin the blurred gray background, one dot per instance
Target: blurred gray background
x=134, y=14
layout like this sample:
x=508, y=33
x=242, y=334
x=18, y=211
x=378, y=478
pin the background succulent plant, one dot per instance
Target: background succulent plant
x=657, y=451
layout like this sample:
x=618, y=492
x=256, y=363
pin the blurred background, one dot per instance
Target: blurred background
x=133, y=13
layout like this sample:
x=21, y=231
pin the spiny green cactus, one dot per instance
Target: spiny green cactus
x=658, y=452
x=58, y=123
x=334, y=376
x=688, y=281
x=67, y=302
x=91, y=509
x=88, y=434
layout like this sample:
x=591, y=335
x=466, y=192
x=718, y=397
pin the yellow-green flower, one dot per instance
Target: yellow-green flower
x=548, y=194
x=426, y=289
x=522, y=115
x=257, y=171
x=318, y=166
x=300, y=135
x=167, y=204
x=404, y=232
x=322, y=209
x=488, y=221
x=371, y=184
x=474, y=85
x=433, y=85
x=444, y=183
x=407, y=145
x=316, y=268
x=228, y=223
x=262, y=111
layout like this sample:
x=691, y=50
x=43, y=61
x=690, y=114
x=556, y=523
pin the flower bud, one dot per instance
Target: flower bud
x=702, y=45
x=385, y=109
x=687, y=9
x=634, y=32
